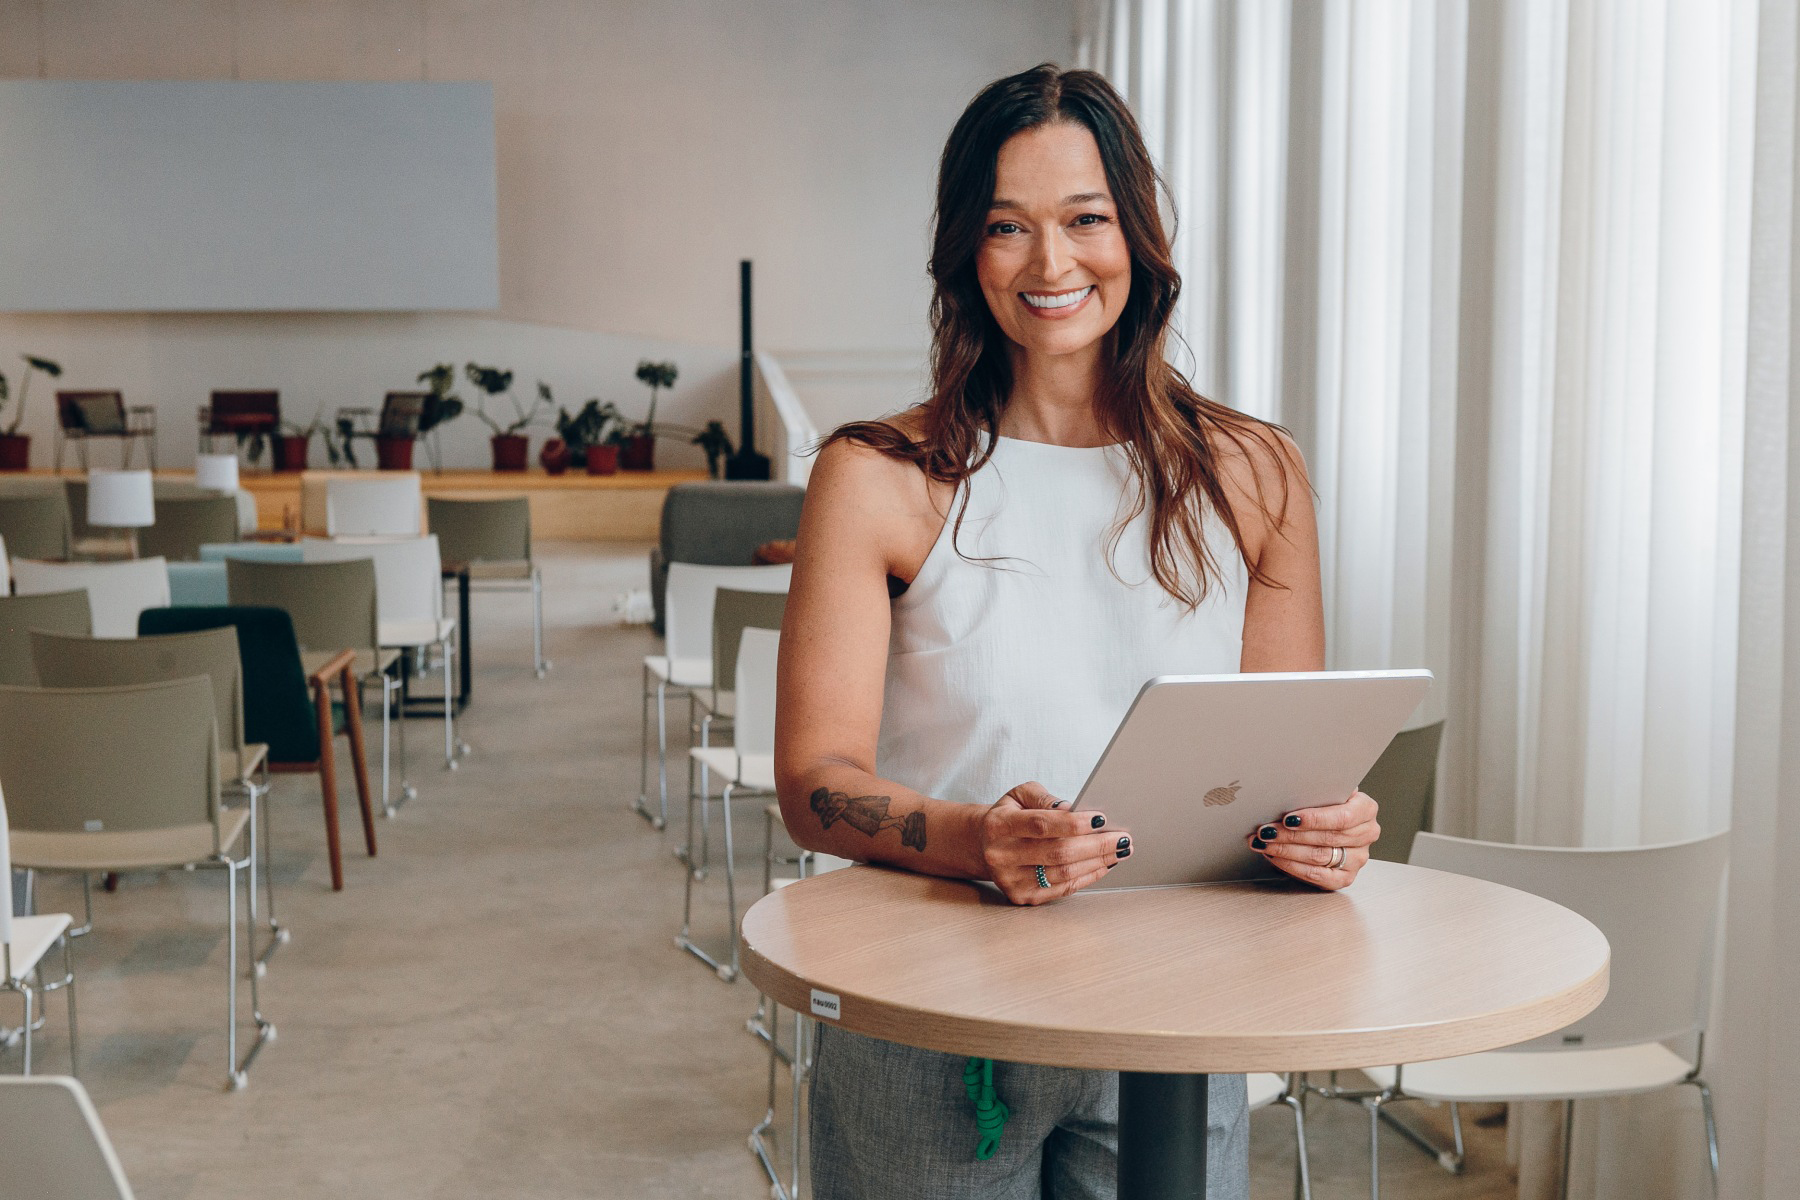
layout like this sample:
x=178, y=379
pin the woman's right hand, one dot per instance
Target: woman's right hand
x=1028, y=828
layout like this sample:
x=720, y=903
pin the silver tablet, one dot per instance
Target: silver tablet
x=1200, y=761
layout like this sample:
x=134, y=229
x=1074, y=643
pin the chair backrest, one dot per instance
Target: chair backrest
x=733, y=612
x=91, y=414
x=64, y=661
x=722, y=524
x=409, y=573
x=1659, y=907
x=392, y=506
x=1404, y=782
x=753, y=726
x=244, y=412
x=401, y=413
x=184, y=524
x=53, y=1144
x=117, y=591
x=287, y=552
x=332, y=604
x=6, y=882
x=497, y=530
x=278, y=705
x=56, y=612
x=134, y=758
x=690, y=601
x=36, y=525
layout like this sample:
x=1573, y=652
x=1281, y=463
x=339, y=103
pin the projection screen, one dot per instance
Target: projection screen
x=216, y=196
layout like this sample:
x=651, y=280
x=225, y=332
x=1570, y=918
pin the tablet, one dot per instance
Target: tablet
x=1200, y=761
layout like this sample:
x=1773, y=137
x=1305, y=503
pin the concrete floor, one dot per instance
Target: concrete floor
x=493, y=1007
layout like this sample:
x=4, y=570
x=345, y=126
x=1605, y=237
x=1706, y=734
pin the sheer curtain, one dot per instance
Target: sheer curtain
x=1489, y=263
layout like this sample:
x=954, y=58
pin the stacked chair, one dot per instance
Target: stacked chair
x=24, y=941
x=493, y=537
x=52, y=612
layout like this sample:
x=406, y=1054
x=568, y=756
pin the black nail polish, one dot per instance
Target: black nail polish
x=1268, y=833
x=1110, y=866
x=1125, y=853
x=1124, y=843
x=1258, y=844
x=1292, y=821
x=1099, y=820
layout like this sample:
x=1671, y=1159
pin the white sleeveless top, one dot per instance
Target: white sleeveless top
x=1020, y=669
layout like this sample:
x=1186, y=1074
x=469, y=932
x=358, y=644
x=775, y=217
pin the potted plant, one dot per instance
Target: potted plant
x=637, y=447
x=293, y=443
x=15, y=447
x=510, y=443
x=717, y=444
x=591, y=436
x=441, y=405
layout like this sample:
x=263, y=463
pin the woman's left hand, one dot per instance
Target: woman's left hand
x=1305, y=842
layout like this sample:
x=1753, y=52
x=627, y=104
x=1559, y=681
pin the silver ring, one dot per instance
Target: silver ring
x=1043, y=879
x=1337, y=858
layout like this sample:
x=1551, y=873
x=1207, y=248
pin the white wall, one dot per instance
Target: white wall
x=642, y=149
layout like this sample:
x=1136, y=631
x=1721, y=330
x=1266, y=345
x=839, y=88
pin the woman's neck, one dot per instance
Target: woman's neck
x=1053, y=399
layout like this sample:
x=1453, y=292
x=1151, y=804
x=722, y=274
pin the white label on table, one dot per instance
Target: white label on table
x=825, y=1004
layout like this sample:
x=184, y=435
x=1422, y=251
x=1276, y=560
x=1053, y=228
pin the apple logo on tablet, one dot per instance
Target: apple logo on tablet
x=1222, y=795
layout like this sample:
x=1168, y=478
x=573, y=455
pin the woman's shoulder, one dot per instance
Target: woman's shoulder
x=871, y=453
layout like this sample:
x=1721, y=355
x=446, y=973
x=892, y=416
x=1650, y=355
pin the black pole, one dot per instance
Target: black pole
x=1162, y=1136
x=746, y=463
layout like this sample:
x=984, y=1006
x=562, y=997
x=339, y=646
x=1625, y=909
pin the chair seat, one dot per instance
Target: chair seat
x=1264, y=1088
x=1507, y=1075
x=750, y=770
x=237, y=767
x=416, y=633
x=125, y=850
x=682, y=672
x=368, y=662
x=32, y=938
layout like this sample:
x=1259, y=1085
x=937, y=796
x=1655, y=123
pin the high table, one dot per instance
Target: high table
x=1165, y=985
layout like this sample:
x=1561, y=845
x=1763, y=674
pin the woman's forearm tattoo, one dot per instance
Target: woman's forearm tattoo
x=868, y=815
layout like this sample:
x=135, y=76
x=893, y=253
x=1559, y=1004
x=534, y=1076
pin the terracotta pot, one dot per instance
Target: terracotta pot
x=638, y=453
x=554, y=457
x=602, y=460
x=510, y=451
x=15, y=451
x=291, y=451
x=393, y=453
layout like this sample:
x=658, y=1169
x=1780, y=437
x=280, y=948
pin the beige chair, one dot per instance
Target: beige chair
x=53, y=1145
x=334, y=607
x=24, y=940
x=494, y=538
x=65, y=661
x=117, y=591
x=389, y=505
x=186, y=523
x=53, y=612
x=37, y=524
x=146, y=796
x=1404, y=782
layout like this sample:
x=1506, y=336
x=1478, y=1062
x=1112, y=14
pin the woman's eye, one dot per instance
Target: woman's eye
x=1092, y=219
x=1003, y=227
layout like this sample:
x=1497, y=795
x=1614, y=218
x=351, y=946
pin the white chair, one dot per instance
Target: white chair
x=390, y=505
x=117, y=591
x=409, y=602
x=748, y=767
x=53, y=1145
x=23, y=943
x=686, y=661
x=1660, y=909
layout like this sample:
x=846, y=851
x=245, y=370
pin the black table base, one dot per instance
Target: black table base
x=1162, y=1136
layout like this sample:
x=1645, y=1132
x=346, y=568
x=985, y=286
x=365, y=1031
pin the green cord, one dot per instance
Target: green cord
x=990, y=1112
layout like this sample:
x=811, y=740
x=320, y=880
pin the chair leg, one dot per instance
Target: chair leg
x=643, y=800
x=1568, y=1140
x=1374, y=1106
x=69, y=983
x=1302, y=1169
x=30, y=996
x=278, y=933
x=238, y=1071
x=407, y=790
x=662, y=754
x=537, y=622
x=1712, y=1128
x=328, y=788
x=359, y=758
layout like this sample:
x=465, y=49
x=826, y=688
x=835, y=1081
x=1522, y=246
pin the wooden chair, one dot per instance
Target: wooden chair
x=103, y=414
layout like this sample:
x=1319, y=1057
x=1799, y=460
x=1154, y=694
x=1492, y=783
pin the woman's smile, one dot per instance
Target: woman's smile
x=1055, y=306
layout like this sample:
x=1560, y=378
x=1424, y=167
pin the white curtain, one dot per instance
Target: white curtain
x=1488, y=261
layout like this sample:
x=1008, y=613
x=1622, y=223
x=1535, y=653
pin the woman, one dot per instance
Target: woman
x=983, y=584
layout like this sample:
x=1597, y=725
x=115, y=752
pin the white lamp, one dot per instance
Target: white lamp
x=121, y=500
x=219, y=472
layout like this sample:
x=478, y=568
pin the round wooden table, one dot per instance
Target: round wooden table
x=1166, y=985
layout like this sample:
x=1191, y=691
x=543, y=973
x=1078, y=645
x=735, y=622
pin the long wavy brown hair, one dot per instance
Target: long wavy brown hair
x=1172, y=435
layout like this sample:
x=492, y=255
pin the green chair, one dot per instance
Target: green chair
x=144, y=796
x=1404, y=782
x=185, y=523
x=36, y=524
x=65, y=661
x=286, y=707
x=333, y=606
x=54, y=612
x=494, y=538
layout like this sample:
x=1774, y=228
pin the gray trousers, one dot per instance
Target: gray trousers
x=893, y=1122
